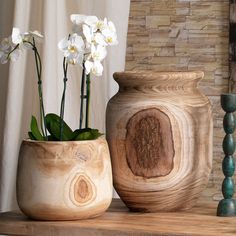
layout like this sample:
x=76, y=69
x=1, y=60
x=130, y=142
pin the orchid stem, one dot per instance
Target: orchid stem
x=12, y=51
x=40, y=92
x=82, y=99
x=87, y=100
x=62, y=111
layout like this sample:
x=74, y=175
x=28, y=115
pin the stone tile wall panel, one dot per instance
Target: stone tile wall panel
x=182, y=35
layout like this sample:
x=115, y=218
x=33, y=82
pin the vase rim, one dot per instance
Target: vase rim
x=130, y=78
x=63, y=142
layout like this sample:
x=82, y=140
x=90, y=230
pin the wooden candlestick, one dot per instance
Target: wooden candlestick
x=227, y=206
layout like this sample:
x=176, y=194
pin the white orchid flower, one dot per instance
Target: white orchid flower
x=101, y=24
x=3, y=57
x=11, y=47
x=74, y=44
x=109, y=34
x=75, y=59
x=95, y=67
x=98, y=53
x=19, y=38
x=95, y=23
x=77, y=19
x=99, y=39
x=88, y=33
x=16, y=36
x=73, y=48
x=111, y=26
x=110, y=37
x=9, y=50
x=6, y=45
x=93, y=38
x=27, y=37
x=91, y=20
x=35, y=34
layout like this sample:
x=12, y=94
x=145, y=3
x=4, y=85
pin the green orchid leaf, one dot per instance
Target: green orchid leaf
x=96, y=133
x=31, y=136
x=53, y=122
x=86, y=134
x=35, y=130
x=79, y=131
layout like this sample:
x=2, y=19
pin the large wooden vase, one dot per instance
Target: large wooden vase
x=159, y=131
x=64, y=180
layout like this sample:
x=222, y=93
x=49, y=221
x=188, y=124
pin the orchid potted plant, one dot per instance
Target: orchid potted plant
x=72, y=179
x=85, y=46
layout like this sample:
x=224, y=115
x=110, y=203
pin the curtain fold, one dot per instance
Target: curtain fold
x=18, y=85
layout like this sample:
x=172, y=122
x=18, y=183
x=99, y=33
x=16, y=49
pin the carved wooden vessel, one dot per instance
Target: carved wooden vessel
x=159, y=131
x=64, y=180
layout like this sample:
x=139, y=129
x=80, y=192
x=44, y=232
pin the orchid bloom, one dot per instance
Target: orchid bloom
x=98, y=53
x=95, y=67
x=88, y=43
x=11, y=47
x=16, y=36
x=110, y=34
x=3, y=57
x=77, y=21
x=101, y=24
x=73, y=49
x=8, y=44
x=93, y=38
x=20, y=38
x=35, y=34
x=91, y=21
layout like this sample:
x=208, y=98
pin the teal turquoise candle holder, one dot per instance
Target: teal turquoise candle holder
x=227, y=206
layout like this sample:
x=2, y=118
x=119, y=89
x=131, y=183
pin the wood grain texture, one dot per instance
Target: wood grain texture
x=64, y=180
x=164, y=162
x=149, y=143
x=117, y=221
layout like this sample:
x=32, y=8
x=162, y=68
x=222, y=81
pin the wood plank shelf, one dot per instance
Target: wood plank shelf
x=200, y=220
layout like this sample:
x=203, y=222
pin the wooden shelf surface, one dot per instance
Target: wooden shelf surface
x=200, y=220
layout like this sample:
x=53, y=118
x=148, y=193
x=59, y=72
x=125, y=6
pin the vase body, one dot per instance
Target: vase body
x=159, y=131
x=64, y=180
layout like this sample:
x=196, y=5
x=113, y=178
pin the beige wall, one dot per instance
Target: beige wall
x=181, y=35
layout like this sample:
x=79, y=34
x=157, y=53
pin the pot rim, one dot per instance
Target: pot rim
x=63, y=142
x=154, y=78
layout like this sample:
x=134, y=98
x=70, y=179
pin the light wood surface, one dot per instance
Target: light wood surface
x=64, y=180
x=159, y=131
x=117, y=221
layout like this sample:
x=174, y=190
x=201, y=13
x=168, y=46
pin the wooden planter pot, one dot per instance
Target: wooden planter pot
x=64, y=180
x=159, y=131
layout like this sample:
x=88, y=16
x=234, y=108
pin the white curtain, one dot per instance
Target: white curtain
x=18, y=87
